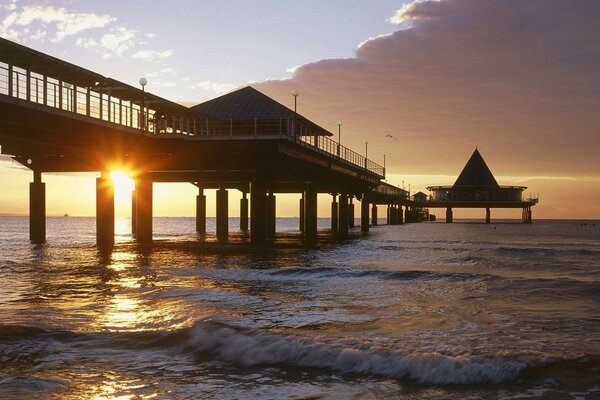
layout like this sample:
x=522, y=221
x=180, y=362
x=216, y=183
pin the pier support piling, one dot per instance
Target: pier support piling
x=133, y=212
x=271, y=216
x=343, y=214
x=449, y=215
x=201, y=211
x=351, y=223
x=310, y=213
x=37, y=209
x=244, y=212
x=364, y=215
x=374, y=215
x=334, y=214
x=222, y=214
x=105, y=211
x=143, y=211
x=258, y=211
x=301, y=213
x=400, y=212
x=487, y=216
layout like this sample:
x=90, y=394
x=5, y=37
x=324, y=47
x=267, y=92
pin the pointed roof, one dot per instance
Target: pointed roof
x=476, y=173
x=247, y=104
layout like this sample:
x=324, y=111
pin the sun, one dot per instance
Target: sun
x=123, y=184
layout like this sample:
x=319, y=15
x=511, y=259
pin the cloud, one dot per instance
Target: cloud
x=112, y=44
x=220, y=88
x=64, y=23
x=151, y=55
x=519, y=79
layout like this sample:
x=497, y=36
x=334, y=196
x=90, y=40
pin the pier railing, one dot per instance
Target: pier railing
x=142, y=112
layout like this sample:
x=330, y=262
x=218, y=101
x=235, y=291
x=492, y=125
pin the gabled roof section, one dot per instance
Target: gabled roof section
x=248, y=104
x=476, y=173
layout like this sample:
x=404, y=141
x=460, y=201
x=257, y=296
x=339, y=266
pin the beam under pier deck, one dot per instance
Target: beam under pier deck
x=37, y=209
x=105, y=211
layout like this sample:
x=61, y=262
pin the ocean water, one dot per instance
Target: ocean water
x=418, y=311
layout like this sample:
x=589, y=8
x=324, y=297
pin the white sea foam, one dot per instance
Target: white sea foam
x=250, y=348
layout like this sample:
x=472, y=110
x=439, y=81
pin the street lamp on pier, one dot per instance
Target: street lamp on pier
x=339, y=124
x=143, y=82
x=366, y=153
x=295, y=93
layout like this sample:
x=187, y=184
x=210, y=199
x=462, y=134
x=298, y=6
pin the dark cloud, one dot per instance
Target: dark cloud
x=518, y=78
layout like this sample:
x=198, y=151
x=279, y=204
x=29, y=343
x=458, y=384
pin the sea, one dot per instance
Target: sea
x=417, y=311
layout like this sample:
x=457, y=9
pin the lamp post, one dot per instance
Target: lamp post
x=295, y=93
x=143, y=83
x=384, y=166
x=366, y=152
x=339, y=124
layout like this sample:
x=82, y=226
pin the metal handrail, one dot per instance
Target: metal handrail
x=93, y=103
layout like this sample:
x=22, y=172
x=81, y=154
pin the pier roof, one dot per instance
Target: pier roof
x=476, y=173
x=248, y=104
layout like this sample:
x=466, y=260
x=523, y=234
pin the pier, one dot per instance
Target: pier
x=58, y=117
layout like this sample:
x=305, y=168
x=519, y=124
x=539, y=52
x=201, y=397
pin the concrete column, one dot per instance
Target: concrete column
x=351, y=213
x=487, y=215
x=343, y=214
x=144, y=211
x=37, y=209
x=310, y=213
x=244, y=212
x=258, y=211
x=334, y=214
x=529, y=216
x=389, y=215
x=364, y=215
x=201, y=211
x=271, y=216
x=393, y=215
x=374, y=215
x=449, y=215
x=105, y=211
x=222, y=215
x=400, y=220
x=133, y=212
x=301, y=213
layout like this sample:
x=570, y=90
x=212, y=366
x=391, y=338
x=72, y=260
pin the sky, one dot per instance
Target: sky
x=425, y=82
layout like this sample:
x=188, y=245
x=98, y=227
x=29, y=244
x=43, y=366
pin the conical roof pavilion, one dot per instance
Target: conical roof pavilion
x=476, y=173
x=247, y=104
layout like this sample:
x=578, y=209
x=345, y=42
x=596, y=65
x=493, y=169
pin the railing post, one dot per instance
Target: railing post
x=230, y=127
x=87, y=102
x=101, y=108
x=206, y=126
x=60, y=95
x=255, y=132
x=28, y=85
x=194, y=126
x=10, y=80
x=45, y=91
x=120, y=111
x=109, y=113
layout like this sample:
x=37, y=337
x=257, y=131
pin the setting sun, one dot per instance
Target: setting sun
x=123, y=186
